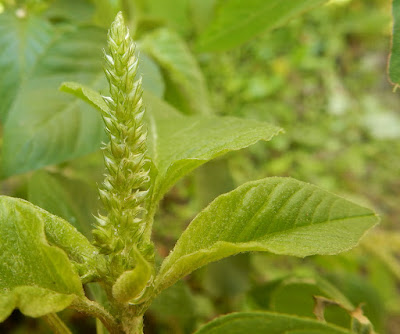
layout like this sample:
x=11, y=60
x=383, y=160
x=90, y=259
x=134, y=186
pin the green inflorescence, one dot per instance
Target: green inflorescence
x=125, y=187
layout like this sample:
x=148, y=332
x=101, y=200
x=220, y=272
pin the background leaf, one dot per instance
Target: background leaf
x=265, y=322
x=35, y=277
x=394, y=64
x=22, y=41
x=72, y=199
x=278, y=215
x=185, y=85
x=45, y=126
x=236, y=21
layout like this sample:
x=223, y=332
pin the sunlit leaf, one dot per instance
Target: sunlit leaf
x=277, y=215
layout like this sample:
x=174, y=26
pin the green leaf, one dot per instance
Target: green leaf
x=22, y=42
x=34, y=276
x=394, y=64
x=178, y=145
x=46, y=126
x=72, y=199
x=265, y=322
x=277, y=215
x=295, y=295
x=236, y=21
x=186, y=87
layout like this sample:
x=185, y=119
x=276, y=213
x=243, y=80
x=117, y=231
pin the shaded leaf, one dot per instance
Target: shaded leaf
x=46, y=126
x=35, y=277
x=265, y=322
x=26, y=37
x=72, y=199
x=236, y=21
x=278, y=215
x=186, y=87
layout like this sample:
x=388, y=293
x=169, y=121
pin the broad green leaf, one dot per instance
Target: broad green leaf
x=186, y=88
x=265, y=322
x=46, y=126
x=72, y=199
x=178, y=144
x=394, y=64
x=34, y=276
x=237, y=21
x=277, y=215
x=22, y=42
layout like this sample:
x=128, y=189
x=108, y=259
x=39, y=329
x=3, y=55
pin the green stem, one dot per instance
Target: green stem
x=94, y=309
x=56, y=324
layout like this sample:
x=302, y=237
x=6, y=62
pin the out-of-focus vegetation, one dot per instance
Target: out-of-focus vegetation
x=322, y=77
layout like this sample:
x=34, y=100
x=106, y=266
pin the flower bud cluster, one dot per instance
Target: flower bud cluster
x=126, y=183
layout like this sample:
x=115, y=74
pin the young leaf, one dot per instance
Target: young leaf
x=237, y=21
x=186, y=87
x=35, y=277
x=184, y=143
x=26, y=37
x=266, y=322
x=278, y=215
x=394, y=64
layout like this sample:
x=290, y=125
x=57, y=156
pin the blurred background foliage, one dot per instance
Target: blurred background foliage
x=321, y=76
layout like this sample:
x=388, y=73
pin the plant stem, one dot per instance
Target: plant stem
x=94, y=309
x=56, y=324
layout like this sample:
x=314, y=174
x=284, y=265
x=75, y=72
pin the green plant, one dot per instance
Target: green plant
x=45, y=261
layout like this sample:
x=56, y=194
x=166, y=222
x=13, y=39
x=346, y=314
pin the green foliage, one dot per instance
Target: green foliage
x=235, y=22
x=156, y=138
x=35, y=277
x=264, y=322
x=186, y=88
x=394, y=64
x=278, y=215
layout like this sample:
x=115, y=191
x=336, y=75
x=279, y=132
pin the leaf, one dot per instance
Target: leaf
x=45, y=126
x=22, y=42
x=394, y=62
x=295, y=295
x=72, y=199
x=34, y=276
x=185, y=143
x=277, y=215
x=236, y=21
x=178, y=144
x=186, y=87
x=266, y=322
